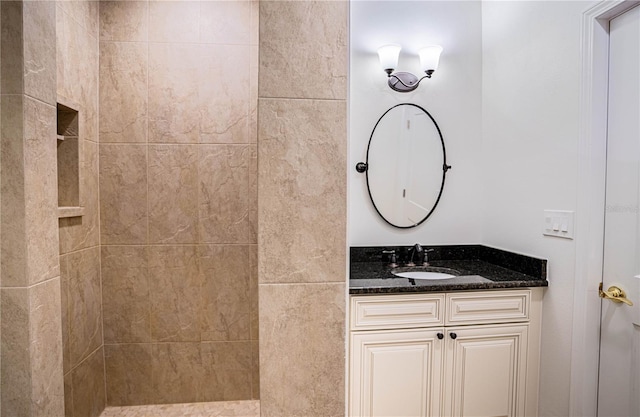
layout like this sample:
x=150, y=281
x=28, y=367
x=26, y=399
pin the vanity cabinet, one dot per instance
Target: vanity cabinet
x=445, y=354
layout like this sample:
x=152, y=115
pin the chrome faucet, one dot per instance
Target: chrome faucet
x=416, y=250
x=420, y=254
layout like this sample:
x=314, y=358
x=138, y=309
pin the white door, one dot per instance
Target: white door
x=619, y=375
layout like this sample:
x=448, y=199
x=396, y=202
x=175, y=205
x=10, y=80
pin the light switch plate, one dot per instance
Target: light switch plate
x=558, y=223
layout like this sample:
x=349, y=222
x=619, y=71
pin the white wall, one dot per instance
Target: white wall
x=452, y=97
x=530, y=104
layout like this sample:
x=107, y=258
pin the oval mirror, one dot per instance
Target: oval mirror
x=406, y=165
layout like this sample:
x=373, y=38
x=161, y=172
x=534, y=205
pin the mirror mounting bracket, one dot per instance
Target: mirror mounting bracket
x=361, y=167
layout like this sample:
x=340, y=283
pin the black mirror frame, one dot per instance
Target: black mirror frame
x=364, y=167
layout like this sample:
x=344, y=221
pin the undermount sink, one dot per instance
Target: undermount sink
x=425, y=273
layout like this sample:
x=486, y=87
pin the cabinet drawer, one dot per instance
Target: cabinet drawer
x=396, y=311
x=488, y=307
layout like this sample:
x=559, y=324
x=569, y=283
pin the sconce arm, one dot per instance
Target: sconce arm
x=405, y=82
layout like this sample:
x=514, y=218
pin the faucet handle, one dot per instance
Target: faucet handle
x=425, y=254
x=393, y=262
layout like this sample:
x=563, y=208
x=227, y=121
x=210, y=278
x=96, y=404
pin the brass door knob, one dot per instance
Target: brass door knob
x=615, y=294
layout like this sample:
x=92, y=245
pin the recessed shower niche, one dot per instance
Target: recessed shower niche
x=69, y=167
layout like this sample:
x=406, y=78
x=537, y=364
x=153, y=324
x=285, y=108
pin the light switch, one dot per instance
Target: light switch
x=558, y=223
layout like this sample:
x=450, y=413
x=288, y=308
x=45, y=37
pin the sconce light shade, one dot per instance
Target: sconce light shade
x=429, y=58
x=388, y=55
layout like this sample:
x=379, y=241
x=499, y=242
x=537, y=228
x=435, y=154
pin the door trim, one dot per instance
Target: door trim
x=592, y=145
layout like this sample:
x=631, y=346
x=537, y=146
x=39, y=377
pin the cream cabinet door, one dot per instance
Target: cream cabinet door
x=485, y=370
x=396, y=373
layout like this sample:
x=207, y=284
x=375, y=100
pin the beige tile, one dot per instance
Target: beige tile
x=174, y=21
x=224, y=100
x=173, y=90
x=123, y=91
x=247, y=408
x=45, y=347
x=14, y=239
x=253, y=193
x=64, y=310
x=183, y=109
x=16, y=372
x=224, y=194
x=302, y=41
x=39, y=31
x=123, y=194
x=40, y=187
x=225, y=277
x=125, y=294
x=72, y=46
x=128, y=374
x=84, y=299
x=86, y=12
x=64, y=46
x=11, y=51
x=68, y=396
x=255, y=22
x=173, y=194
x=69, y=229
x=253, y=95
x=92, y=18
x=177, y=373
x=89, y=386
x=302, y=151
x=63, y=5
x=77, y=68
x=124, y=20
x=226, y=22
x=227, y=371
x=174, y=288
x=89, y=89
x=82, y=232
x=253, y=291
x=255, y=370
x=287, y=343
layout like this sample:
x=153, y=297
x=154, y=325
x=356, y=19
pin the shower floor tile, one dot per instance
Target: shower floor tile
x=213, y=409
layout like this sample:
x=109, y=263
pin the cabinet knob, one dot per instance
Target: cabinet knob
x=453, y=335
x=440, y=336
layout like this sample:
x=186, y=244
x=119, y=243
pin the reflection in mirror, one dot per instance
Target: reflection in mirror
x=406, y=165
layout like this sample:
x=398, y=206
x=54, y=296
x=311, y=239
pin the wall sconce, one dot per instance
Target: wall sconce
x=405, y=81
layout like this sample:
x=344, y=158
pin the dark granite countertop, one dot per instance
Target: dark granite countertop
x=480, y=267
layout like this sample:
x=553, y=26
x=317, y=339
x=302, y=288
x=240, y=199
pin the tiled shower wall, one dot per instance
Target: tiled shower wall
x=31, y=346
x=178, y=200
x=77, y=85
x=302, y=148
